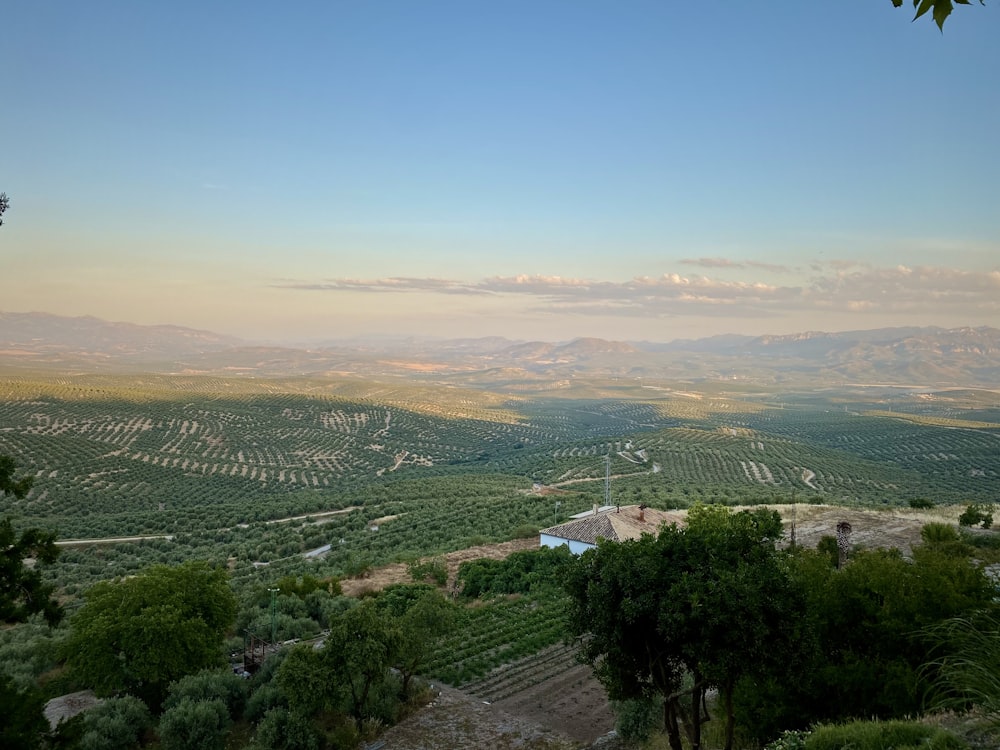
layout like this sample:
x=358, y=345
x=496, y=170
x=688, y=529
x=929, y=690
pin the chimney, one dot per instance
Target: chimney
x=595, y=509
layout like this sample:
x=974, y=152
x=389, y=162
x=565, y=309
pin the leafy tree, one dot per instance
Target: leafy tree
x=977, y=514
x=871, y=619
x=195, y=725
x=940, y=9
x=208, y=685
x=22, y=722
x=710, y=600
x=22, y=591
x=142, y=633
x=361, y=647
x=283, y=730
x=17, y=487
x=306, y=683
x=423, y=618
x=115, y=724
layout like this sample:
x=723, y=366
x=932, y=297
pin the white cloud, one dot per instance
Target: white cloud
x=847, y=287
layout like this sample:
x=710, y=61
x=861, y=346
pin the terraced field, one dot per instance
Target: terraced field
x=208, y=460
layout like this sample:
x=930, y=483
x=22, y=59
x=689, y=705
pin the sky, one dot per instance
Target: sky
x=542, y=169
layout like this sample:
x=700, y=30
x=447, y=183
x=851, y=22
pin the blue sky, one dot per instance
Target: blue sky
x=631, y=170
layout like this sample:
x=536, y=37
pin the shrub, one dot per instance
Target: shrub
x=283, y=730
x=977, y=514
x=264, y=699
x=195, y=725
x=878, y=735
x=921, y=503
x=209, y=684
x=115, y=724
x=635, y=720
x=435, y=570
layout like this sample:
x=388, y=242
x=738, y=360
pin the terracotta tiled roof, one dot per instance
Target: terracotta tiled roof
x=617, y=525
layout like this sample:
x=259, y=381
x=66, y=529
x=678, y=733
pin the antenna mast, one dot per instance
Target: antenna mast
x=607, y=478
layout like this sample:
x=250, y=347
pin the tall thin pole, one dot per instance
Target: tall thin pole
x=274, y=608
x=607, y=479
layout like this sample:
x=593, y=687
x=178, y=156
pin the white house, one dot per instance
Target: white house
x=610, y=522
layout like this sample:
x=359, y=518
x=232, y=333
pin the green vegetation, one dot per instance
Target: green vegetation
x=870, y=735
x=141, y=634
x=295, y=485
x=710, y=601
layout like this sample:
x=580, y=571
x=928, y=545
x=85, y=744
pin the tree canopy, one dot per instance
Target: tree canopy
x=140, y=634
x=710, y=600
x=22, y=590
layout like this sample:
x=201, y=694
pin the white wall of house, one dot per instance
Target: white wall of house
x=577, y=548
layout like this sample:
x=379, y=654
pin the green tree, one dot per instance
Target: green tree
x=361, y=647
x=22, y=722
x=306, y=683
x=424, y=615
x=17, y=487
x=710, y=601
x=977, y=514
x=208, y=685
x=115, y=724
x=872, y=620
x=940, y=9
x=142, y=633
x=283, y=730
x=22, y=590
x=195, y=725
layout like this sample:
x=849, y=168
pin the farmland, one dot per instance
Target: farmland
x=338, y=476
x=212, y=460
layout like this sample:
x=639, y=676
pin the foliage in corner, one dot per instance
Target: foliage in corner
x=940, y=9
x=22, y=591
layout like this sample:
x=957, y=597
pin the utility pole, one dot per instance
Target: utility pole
x=607, y=479
x=274, y=609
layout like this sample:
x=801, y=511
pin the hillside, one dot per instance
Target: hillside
x=902, y=356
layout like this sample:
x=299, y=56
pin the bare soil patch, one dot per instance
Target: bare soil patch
x=456, y=721
x=572, y=703
x=894, y=527
x=378, y=579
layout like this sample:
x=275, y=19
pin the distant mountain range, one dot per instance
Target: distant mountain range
x=913, y=356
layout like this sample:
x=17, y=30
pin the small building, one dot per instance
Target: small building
x=616, y=523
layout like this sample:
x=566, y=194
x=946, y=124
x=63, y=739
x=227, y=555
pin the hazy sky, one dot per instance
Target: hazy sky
x=540, y=169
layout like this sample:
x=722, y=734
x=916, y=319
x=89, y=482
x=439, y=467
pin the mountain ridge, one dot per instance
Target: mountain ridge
x=953, y=356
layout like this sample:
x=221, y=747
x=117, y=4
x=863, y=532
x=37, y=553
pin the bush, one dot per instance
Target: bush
x=878, y=735
x=977, y=514
x=23, y=721
x=283, y=730
x=195, y=725
x=115, y=724
x=435, y=570
x=263, y=699
x=207, y=685
x=921, y=503
x=635, y=720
